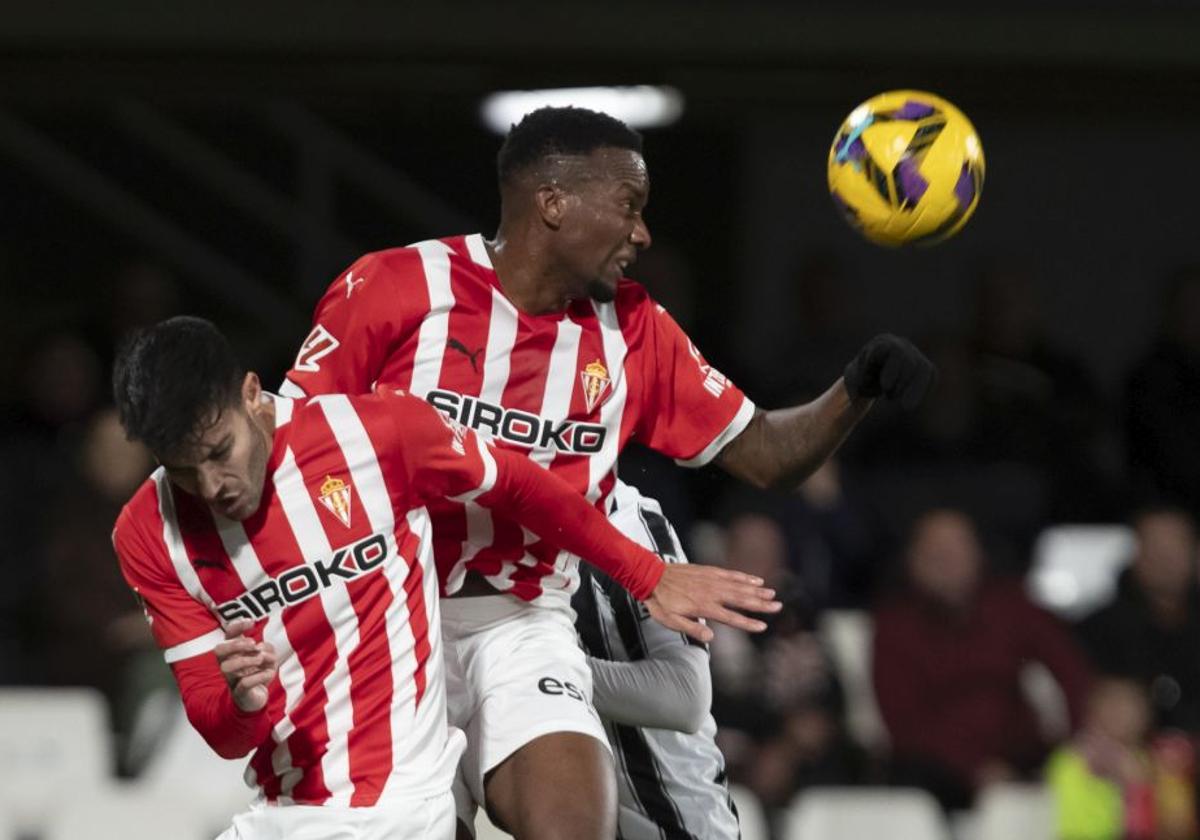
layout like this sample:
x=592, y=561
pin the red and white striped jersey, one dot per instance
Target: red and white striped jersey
x=568, y=388
x=335, y=568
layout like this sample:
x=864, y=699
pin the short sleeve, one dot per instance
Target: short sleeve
x=441, y=458
x=182, y=626
x=357, y=324
x=690, y=410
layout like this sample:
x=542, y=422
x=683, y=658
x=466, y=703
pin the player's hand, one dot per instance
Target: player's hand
x=248, y=666
x=686, y=593
x=890, y=366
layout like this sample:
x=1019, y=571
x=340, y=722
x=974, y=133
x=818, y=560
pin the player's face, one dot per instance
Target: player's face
x=227, y=466
x=603, y=230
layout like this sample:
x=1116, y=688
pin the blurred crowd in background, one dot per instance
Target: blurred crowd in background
x=924, y=524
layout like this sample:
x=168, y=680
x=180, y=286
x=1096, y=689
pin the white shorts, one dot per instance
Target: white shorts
x=393, y=819
x=514, y=672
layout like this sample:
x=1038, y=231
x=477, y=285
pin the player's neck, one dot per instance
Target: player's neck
x=525, y=275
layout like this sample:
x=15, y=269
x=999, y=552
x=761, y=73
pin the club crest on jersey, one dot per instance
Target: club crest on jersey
x=595, y=384
x=335, y=496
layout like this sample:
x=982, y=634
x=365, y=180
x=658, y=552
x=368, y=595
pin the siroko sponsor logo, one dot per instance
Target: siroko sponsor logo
x=305, y=581
x=520, y=427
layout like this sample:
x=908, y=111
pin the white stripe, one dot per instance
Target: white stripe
x=174, y=541
x=613, y=409
x=560, y=382
x=284, y=405
x=431, y=339
x=360, y=457
x=502, y=335
x=404, y=658
x=477, y=250
x=241, y=553
x=314, y=545
x=291, y=389
x=291, y=677
x=489, y=474
x=195, y=647
x=736, y=426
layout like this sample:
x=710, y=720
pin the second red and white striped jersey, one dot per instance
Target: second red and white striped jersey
x=335, y=568
x=568, y=388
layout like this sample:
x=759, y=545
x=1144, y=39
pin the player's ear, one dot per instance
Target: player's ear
x=252, y=391
x=551, y=203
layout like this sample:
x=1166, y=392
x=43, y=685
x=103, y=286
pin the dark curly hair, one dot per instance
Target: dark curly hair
x=173, y=379
x=561, y=131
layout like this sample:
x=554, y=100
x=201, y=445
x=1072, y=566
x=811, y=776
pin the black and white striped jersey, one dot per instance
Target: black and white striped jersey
x=671, y=784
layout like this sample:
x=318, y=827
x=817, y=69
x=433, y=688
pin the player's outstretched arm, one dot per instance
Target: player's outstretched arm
x=780, y=449
x=675, y=595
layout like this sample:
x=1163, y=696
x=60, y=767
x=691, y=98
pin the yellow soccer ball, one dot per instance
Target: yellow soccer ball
x=906, y=167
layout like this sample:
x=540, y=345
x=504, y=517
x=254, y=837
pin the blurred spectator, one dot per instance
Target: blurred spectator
x=1113, y=782
x=61, y=383
x=1036, y=404
x=776, y=696
x=1162, y=408
x=1151, y=630
x=94, y=634
x=831, y=534
x=948, y=656
x=911, y=462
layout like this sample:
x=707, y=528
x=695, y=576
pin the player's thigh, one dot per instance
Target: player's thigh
x=559, y=785
x=535, y=685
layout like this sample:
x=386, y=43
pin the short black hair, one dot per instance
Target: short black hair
x=561, y=131
x=172, y=379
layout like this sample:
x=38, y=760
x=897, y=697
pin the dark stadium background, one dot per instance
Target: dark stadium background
x=227, y=159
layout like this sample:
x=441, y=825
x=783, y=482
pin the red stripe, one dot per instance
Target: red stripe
x=140, y=523
x=529, y=363
x=308, y=743
x=370, y=739
x=403, y=290
x=260, y=762
x=418, y=621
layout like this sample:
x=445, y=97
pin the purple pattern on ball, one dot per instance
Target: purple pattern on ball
x=965, y=187
x=856, y=150
x=913, y=110
x=910, y=184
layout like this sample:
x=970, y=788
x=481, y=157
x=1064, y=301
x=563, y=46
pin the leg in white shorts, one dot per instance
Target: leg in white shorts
x=514, y=672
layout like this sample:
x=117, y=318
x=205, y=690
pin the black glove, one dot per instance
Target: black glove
x=890, y=366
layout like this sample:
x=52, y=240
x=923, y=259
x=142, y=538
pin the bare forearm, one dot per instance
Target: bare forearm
x=781, y=448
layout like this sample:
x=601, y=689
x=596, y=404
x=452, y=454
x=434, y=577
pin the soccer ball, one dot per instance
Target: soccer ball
x=906, y=166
